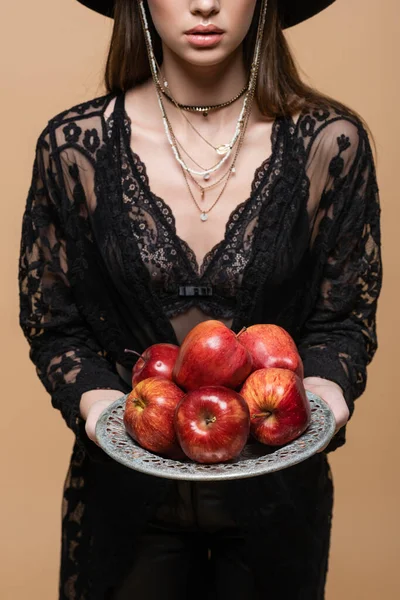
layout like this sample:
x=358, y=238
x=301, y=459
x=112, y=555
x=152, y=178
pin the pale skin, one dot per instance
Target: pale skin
x=200, y=76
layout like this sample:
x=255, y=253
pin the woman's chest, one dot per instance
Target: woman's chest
x=161, y=211
x=202, y=210
x=149, y=233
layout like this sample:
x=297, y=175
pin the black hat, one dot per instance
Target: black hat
x=292, y=11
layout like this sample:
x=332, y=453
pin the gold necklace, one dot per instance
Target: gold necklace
x=196, y=163
x=168, y=127
x=204, y=213
x=222, y=148
x=204, y=189
x=187, y=154
x=191, y=158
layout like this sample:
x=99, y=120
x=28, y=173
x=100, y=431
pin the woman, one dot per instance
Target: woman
x=139, y=225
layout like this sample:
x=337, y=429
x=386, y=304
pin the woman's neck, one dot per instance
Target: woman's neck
x=199, y=85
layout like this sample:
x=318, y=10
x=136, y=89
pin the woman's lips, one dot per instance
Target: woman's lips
x=204, y=40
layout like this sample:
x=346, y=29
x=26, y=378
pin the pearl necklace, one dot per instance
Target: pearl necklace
x=205, y=174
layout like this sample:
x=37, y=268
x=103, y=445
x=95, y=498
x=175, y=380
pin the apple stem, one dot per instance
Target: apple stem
x=139, y=402
x=132, y=352
x=241, y=331
x=212, y=420
x=260, y=415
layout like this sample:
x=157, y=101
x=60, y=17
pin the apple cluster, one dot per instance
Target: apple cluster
x=204, y=399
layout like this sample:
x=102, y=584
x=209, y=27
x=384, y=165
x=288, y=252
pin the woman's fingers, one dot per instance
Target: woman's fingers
x=93, y=416
x=332, y=395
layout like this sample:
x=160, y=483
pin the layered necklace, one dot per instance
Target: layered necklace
x=224, y=150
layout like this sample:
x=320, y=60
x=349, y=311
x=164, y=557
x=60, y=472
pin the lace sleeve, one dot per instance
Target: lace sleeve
x=68, y=360
x=339, y=338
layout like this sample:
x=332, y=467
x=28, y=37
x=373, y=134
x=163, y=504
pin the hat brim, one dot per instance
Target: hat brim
x=292, y=12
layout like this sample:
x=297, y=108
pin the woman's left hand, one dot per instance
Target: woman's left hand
x=332, y=394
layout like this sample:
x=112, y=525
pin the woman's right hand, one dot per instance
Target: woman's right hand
x=92, y=404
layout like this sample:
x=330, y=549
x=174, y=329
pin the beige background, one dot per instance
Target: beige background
x=52, y=56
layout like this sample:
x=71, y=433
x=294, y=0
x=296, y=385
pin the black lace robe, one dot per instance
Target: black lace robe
x=86, y=294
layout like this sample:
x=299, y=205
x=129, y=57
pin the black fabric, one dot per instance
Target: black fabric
x=178, y=281
x=86, y=295
x=283, y=555
x=292, y=12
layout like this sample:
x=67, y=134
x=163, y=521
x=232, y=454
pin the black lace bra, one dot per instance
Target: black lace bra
x=178, y=280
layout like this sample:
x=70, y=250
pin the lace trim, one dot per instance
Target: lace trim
x=168, y=258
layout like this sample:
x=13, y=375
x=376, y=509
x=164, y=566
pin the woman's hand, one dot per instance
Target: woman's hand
x=92, y=404
x=332, y=394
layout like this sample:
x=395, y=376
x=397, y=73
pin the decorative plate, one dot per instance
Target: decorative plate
x=255, y=459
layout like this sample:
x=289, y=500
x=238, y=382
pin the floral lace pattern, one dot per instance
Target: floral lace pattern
x=170, y=260
x=302, y=252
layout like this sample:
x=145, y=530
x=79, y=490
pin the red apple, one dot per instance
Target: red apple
x=212, y=424
x=211, y=355
x=149, y=415
x=271, y=346
x=279, y=408
x=157, y=361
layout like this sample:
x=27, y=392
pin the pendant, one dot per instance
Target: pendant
x=207, y=176
x=205, y=113
x=204, y=216
x=223, y=149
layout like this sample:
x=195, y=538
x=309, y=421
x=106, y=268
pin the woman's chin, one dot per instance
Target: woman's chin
x=212, y=57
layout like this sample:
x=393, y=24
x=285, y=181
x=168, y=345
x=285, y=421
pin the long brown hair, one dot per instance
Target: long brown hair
x=280, y=90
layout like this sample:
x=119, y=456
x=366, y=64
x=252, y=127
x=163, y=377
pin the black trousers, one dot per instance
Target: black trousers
x=196, y=548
